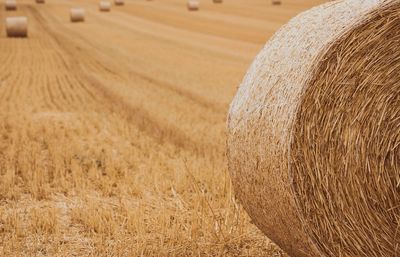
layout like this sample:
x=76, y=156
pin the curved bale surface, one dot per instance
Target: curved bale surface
x=77, y=15
x=17, y=26
x=10, y=5
x=314, y=132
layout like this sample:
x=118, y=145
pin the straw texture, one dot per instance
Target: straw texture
x=314, y=132
x=17, y=26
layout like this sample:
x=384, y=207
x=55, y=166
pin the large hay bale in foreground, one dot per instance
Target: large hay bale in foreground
x=77, y=15
x=104, y=6
x=193, y=5
x=314, y=132
x=10, y=5
x=17, y=26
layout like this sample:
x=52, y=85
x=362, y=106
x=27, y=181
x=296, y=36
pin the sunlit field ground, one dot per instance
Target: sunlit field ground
x=112, y=131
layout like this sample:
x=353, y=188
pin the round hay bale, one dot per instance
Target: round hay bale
x=10, y=5
x=217, y=1
x=119, y=2
x=105, y=6
x=77, y=15
x=193, y=5
x=276, y=2
x=40, y=1
x=17, y=26
x=314, y=132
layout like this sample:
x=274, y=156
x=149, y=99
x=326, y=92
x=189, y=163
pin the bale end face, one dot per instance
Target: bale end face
x=77, y=15
x=17, y=27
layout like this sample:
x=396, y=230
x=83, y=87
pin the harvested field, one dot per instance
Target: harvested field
x=113, y=131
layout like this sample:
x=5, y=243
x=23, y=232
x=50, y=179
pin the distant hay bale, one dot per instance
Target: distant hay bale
x=77, y=15
x=314, y=132
x=17, y=26
x=193, y=5
x=217, y=1
x=276, y=2
x=105, y=6
x=119, y=2
x=10, y=5
x=40, y=1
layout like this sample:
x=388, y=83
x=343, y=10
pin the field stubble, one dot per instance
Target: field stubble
x=112, y=131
